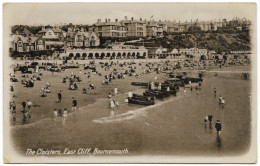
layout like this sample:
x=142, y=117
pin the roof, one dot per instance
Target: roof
x=33, y=39
x=175, y=51
x=27, y=32
x=86, y=34
x=18, y=37
x=24, y=39
x=109, y=23
x=56, y=30
x=132, y=21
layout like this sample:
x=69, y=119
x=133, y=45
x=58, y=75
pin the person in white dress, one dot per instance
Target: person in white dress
x=112, y=106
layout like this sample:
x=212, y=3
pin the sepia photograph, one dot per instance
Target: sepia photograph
x=130, y=82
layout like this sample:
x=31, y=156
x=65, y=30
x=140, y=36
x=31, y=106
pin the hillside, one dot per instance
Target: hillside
x=220, y=42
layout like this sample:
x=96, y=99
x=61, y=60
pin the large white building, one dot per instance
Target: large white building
x=114, y=52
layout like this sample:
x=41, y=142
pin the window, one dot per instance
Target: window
x=20, y=44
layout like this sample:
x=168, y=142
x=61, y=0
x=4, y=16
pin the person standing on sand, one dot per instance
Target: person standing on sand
x=112, y=106
x=55, y=114
x=117, y=105
x=109, y=95
x=29, y=104
x=24, y=105
x=205, y=121
x=64, y=116
x=210, y=120
x=59, y=97
x=24, y=111
x=215, y=91
x=220, y=100
x=14, y=110
x=74, y=104
x=218, y=127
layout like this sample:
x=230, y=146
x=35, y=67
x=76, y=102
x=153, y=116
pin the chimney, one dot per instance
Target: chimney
x=140, y=18
x=116, y=20
x=125, y=18
x=106, y=20
x=191, y=20
x=99, y=20
x=43, y=28
x=132, y=18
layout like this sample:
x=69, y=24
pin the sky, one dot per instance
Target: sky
x=88, y=13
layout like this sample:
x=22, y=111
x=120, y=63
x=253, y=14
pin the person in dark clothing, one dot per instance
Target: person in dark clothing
x=74, y=104
x=11, y=88
x=218, y=127
x=24, y=105
x=210, y=120
x=25, y=113
x=59, y=97
x=14, y=110
x=215, y=91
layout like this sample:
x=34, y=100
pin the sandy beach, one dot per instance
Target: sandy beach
x=140, y=129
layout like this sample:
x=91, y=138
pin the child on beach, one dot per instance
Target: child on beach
x=109, y=96
x=64, y=116
x=220, y=100
x=223, y=102
x=117, y=104
x=55, y=114
x=205, y=121
x=60, y=113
